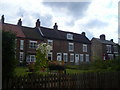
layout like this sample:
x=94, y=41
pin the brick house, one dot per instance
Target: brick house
x=103, y=49
x=67, y=46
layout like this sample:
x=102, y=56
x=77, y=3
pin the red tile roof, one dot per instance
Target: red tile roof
x=14, y=29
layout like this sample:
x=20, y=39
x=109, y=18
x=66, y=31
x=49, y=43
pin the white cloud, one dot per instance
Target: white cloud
x=99, y=11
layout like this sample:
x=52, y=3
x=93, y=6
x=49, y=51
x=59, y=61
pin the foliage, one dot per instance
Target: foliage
x=56, y=65
x=8, y=54
x=41, y=56
x=106, y=65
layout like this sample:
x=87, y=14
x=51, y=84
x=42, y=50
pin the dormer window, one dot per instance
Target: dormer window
x=70, y=36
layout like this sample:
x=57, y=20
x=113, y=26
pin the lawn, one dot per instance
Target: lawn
x=21, y=71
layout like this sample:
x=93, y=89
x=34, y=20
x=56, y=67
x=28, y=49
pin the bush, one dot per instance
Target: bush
x=8, y=54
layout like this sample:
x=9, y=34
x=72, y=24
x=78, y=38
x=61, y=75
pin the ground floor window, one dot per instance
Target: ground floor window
x=50, y=56
x=87, y=57
x=31, y=58
x=71, y=57
x=110, y=56
x=81, y=57
x=21, y=56
x=59, y=56
x=65, y=57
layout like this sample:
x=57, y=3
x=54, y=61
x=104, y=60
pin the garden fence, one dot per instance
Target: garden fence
x=84, y=80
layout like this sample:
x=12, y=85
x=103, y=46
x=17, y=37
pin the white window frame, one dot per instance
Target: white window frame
x=21, y=44
x=111, y=56
x=30, y=58
x=77, y=60
x=71, y=46
x=50, y=42
x=115, y=48
x=84, y=47
x=59, y=58
x=65, y=57
x=81, y=57
x=34, y=43
x=109, y=48
x=69, y=36
x=50, y=55
x=87, y=57
x=71, y=54
x=21, y=56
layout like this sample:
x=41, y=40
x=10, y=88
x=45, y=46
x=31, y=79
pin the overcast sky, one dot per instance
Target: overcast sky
x=94, y=17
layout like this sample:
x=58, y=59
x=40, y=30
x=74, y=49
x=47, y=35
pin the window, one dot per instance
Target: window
x=21, y=44
x=70, y=36
x=15, y=43
x=59, y=56
x=21, y=57
x=115, y=49
x=65, y=57
x=32, y=44
x=71, y=46
x=81, y=57
x=110, y=56
x=84, y=47
x=50, y=56
x=31, y=58
x=87, y=57
x=77, y=59
x=108, y=48
x=50, y=42
x=71, y=57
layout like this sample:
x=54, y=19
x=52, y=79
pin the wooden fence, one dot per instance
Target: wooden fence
x=85, y=80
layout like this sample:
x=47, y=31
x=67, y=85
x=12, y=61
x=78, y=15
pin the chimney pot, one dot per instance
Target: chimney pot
x=38, y=23
x=83, y=33
x=55, y=26
x=111, y=40
x=102, y=37
x=19, y=22
x=2, y=19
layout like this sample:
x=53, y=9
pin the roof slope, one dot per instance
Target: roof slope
x=14, y=29
x=31, y=33
x=105, y=41
x=62, y=35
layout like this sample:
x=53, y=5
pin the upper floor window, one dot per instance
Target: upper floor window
x=21, y=44
x=108, y=48
x=71, y=46
x=84, y=47
x=50, y=42
x=70, y=36
x=32, y=44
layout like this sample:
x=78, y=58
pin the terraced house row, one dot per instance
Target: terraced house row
x=72, y=48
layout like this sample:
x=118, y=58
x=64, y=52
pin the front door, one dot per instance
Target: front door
x=77, y=59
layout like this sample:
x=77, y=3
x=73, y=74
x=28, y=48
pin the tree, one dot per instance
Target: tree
x=41, y=56
x=8, y=54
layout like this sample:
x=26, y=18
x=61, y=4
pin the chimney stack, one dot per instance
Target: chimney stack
x=102, y=37
x=83, y=33
x=38, y=23
x=2, y=19
x=55, y=26
x=19, y=22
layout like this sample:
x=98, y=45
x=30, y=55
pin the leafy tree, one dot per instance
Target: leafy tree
x=8, y=54
x=41, y=56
